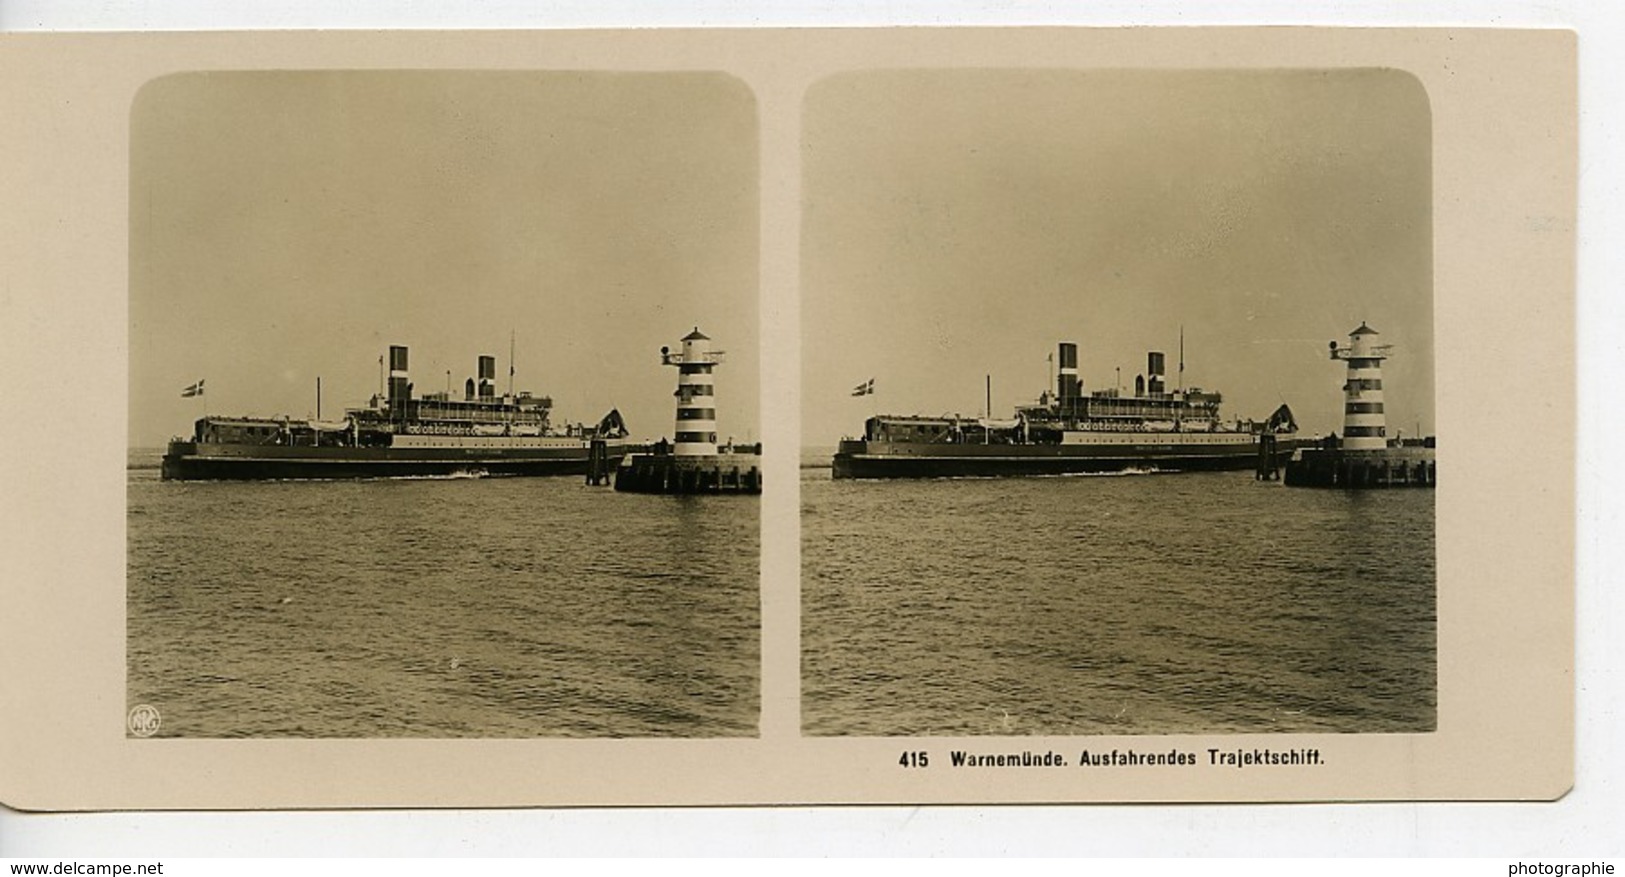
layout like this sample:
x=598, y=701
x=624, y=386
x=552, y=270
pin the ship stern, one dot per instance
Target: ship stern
x=174, y=466
x=842, y=465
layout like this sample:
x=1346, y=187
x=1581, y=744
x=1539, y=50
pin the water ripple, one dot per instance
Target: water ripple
x=471, y=607
x=1168, y=604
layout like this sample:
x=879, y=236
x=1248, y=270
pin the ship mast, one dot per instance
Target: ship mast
x=1179, y=406
x=1049, y=374
x=1182, y=359
x=987, y=428
x=508, y=403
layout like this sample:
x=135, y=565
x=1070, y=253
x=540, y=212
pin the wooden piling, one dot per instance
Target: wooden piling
x=663, y=473
x=598, y=462
x=1405, y=466
x=1268, y=468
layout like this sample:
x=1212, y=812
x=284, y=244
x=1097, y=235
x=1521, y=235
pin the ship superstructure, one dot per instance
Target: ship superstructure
x=1070, y=431
x=398, y=433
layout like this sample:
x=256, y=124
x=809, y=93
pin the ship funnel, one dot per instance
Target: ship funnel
x=1155, y=368
x=488, y=377
x=399, y=389
x=1067, y=386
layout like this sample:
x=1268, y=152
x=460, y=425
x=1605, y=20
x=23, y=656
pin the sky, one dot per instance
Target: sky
x=958, y=224
x=287, y=226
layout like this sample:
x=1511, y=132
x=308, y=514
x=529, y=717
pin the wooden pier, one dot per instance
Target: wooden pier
x=670, y=474
x=1398, y=466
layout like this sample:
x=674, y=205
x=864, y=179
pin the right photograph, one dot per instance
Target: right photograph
x=1117, y=403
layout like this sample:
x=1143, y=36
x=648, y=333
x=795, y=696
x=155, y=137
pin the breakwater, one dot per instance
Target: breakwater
x=666, y=473
x=1395, y=466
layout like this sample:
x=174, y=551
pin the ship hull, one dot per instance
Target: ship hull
x=194, y=461
x=880, y=459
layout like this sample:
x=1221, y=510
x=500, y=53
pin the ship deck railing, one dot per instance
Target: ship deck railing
x=368, y=416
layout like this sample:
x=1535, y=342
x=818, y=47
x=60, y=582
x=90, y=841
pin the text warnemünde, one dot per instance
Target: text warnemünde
x=1255, y=757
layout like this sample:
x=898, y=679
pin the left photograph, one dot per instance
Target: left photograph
x=443, y=406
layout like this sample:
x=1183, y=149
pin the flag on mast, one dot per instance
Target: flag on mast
x=194, y=390
x=864, y=389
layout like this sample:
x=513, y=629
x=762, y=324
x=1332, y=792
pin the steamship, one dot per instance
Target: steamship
x=1070, y=432
x=398, y=434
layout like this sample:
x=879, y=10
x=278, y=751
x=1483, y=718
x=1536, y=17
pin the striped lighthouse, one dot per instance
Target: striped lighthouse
x=1364, y=458
x=1364, y=424
x=696, y=396
x=694, y=464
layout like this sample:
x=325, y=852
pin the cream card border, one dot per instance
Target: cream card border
x=1504, y=207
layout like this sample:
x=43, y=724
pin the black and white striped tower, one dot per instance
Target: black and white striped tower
x=1365, y=427
x=696, y=396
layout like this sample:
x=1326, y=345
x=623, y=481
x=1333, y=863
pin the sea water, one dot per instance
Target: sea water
x=540, y=607
x=1118, y=604
x=479, y=607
